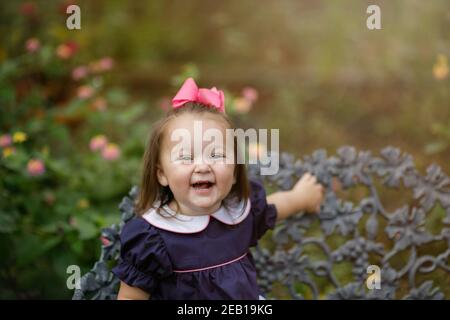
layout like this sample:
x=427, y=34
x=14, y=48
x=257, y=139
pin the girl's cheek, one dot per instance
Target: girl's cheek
x=226, y=172
x=223, y=168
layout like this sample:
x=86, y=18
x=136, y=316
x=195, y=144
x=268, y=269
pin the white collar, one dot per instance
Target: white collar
x=180, y=223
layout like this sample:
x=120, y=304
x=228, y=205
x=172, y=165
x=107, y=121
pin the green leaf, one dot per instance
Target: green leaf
x=31, y=247
x=86, y=228
x=132, y=113
x=7, y=222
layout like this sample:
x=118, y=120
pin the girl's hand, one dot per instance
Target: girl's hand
x=307, y=194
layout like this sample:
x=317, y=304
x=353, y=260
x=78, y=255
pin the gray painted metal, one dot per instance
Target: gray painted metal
x=359, y=233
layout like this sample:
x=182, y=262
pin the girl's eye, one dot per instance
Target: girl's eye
x=185, y=157
x=218, y=155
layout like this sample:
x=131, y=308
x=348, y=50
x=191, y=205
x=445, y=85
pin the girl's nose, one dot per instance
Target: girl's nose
x=202, y=167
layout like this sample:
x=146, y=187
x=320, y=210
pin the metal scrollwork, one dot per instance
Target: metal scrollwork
x=327, y=255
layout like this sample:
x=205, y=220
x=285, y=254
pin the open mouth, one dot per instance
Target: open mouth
x=202, y=185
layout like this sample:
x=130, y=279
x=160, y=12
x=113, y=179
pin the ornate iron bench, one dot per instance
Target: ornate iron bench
x=327, y=256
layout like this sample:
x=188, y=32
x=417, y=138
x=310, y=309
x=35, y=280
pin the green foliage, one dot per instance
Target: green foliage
x=71, y=143
x=52, y=210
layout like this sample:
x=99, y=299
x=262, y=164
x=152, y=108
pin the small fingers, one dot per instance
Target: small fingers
x=306, y=176
x=309, y=177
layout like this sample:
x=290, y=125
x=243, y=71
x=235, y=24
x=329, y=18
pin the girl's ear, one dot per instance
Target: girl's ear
x=162, y=179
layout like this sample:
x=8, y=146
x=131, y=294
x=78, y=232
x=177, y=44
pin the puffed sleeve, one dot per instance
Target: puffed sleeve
x=264, y=214
x=143, y=256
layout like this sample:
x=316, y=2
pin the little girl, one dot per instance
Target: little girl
x=196, y=217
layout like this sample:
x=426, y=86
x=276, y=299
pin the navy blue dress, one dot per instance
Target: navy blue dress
x=211, y=263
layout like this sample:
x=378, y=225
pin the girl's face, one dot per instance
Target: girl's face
x=199, y=178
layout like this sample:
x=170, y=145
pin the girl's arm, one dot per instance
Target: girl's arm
x=127, y=292
x=306, y=195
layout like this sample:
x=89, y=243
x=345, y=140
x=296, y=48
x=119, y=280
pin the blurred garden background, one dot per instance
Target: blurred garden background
x=77, y=105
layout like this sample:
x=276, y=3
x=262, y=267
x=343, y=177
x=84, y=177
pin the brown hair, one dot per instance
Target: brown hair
x=150, y=189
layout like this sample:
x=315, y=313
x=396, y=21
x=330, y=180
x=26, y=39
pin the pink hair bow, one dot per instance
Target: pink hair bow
x=189, y=92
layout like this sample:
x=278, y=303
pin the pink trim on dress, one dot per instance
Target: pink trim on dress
x=211, y=267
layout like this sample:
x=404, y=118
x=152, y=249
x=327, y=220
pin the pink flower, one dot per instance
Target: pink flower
x=98, y=142
x=101, y=65
x=250, y=94
x=106, y=63
x=5, y=140
x=35, y=167
x=66, y=50
x=99, y=104
x=164, y=103
x=111, y=152
x=105, y=241
x=85, y=92
x=80, y=72
x=32, y=45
